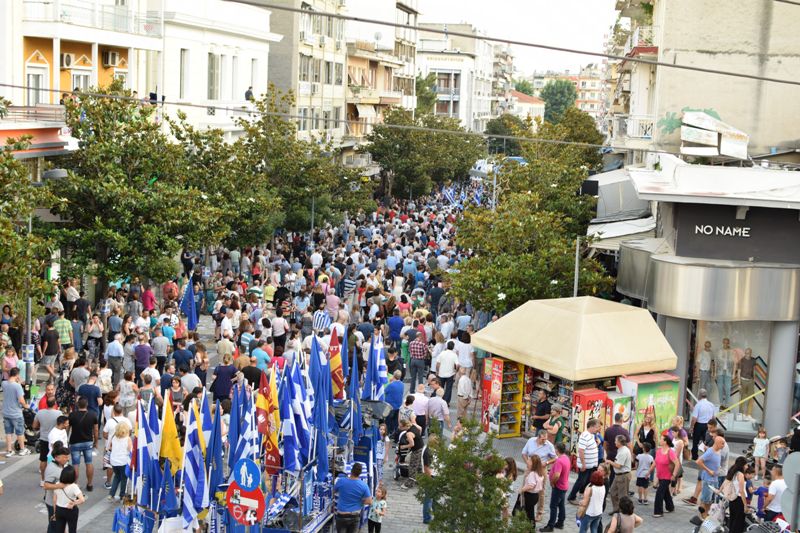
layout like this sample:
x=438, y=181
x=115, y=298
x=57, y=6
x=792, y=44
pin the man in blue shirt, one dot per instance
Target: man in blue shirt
x=91, y=392
x=703, y=411
x=168, y=331
x=352, y=495
x=393, y=394
x=181, y=356
x=262, y=357
x=396, y=324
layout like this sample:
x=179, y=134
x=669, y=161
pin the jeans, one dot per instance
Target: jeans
x=663, y=497
x=81, y=449
x=724, y=387
x=557, y=508
x=591, y=523
x=698, y=435
x=427, y=510
x=120, y=480
x=417, y=369
x=391, y=422
x=51, y=523
x=447, y=383
x=705, y=380
x=347, y=523
x=581, y=482
x=115, y=364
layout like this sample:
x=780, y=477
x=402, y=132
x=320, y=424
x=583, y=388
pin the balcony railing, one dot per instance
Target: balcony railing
x=38, y=113
x=448, y=90
x=92, y=14
x=641, y=36
x=633, y=126
x=358, y=92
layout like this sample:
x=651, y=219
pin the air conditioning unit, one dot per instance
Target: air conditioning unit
x=322, y=40
x=110, y=59
x=67, y=60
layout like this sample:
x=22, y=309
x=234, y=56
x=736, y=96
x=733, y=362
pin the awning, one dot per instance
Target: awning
x=609, y=235
x=366, y=111
x=579, y=338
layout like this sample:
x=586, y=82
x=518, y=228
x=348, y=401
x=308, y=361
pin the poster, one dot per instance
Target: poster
x=653, y=394
x=711, y=339
x=492, y=389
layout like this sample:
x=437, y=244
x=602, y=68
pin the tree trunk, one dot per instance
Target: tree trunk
x=101, y=257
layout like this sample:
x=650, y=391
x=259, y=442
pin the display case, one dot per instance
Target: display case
x=503, y=385
x=559, y=394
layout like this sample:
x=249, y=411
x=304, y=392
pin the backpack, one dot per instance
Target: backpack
x=728, y=490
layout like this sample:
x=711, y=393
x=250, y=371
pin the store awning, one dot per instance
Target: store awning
x=366, y=111
x=579, y=338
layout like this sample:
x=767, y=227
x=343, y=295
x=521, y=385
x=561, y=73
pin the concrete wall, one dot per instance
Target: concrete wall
x=758, y=38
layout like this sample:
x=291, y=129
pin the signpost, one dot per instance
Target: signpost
x=246, y=474
x=246, y=507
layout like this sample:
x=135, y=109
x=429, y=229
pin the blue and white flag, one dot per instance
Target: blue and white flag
x=291, y=448
x=195, y=488
x=301, y=409
x=376, y=376
x=478, y=195
x=188, y=306
x=450, y=195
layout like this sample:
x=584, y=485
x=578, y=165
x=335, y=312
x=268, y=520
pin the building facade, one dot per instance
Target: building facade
x=591, y=92
x=464, y=68
x=503, y=81
x=758, y=39
x=310, y=61
x=524, y=106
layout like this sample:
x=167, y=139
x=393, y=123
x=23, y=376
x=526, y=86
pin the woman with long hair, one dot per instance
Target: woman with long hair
x=666, y=467
x=738, y=504
x=509, y=472
x=532, y=487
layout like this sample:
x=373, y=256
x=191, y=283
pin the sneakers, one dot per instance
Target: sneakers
x=107, y=485
x=24, y=451
x=110, y=498
x=89, y=488
x=546, y=529
x=10, y=453
x=691, y=501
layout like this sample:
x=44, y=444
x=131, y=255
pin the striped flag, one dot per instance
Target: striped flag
x=301, y=411
x=195, y=488
x=337, y=372
x=376, y=374
x=291, y=446
x=268, y=421
x=206, y=421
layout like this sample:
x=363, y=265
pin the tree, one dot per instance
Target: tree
x=558, y=96
x=426, y=93
x=524, y=86
x=23, y=255
x=414, y=160
x=507, y=125
x=302, y=173
x=128, y=202
x=467, y=493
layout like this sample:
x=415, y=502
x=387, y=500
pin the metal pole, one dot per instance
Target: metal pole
x=577, y=265
x=313, y=207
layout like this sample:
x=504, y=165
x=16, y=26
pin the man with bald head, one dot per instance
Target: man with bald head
x=708, y=464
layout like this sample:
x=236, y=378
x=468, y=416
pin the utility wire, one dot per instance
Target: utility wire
x=553, y=48
x=790, y=2
x=244, y=112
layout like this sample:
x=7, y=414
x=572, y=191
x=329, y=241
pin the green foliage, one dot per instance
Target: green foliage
x=128, y=200
x=524, y=86
x=4, y=107
x=467, y=493
x=23, y=256
x=558, y=95
x=415, y=160
x=426, y=93
x=672, y=121
x=300, y=172
x=526, y=249
x=507, y=125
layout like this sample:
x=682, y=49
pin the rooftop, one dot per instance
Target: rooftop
x=526, y=99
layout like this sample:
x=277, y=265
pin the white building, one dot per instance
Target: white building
x=524, y=106
x=310, y=61
x=464, y=73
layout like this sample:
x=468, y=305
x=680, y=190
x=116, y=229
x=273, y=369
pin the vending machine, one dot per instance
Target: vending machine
x=651, y=394
x=587, y=404
x=503, y=386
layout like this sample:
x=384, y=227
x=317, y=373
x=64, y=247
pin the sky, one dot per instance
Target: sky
x=580, y=24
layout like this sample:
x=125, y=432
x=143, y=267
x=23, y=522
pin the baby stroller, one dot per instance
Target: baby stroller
x=401, y=458
x=716, y=519
x=31, y=435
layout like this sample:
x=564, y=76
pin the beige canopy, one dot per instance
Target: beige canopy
x=579, y=338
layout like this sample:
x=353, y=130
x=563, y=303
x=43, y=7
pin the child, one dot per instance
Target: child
x=781, y=451
x=377, y=510
x=760, y=449
x=643, y=462
x=380, y=450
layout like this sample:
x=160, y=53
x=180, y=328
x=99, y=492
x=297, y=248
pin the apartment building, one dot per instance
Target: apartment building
x=757, y=38
x=524, y=106
x=591, y=92
x=464, y=68
x=205, y=52
x=310, y=61
x=503, y=79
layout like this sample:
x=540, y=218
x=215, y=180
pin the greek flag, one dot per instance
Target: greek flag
x=450, y=196
x=247, y=446
x=478, y=195
x=322, y=320
x=376, y=374
x=291, y=446
x=206, y=422
x=301, y=409
x=195, y=489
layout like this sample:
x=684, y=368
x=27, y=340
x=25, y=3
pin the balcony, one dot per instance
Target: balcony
x=642, y=37
x=91, y=14
x=633, y=127
x=42, y=113
x=360, y=94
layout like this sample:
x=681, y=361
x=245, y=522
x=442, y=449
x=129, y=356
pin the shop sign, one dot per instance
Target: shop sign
x=728, y=231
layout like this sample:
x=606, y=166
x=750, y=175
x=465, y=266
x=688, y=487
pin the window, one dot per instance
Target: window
x=302, y=123
x=442, y=107
x=305, y=68
x=316, y=69
x=339, y=73
x=213, y=76
x=329, y=72
x=337, y=116
x=583, y=85
x=36, y=82
x=123, y=76
x=80, y=79
x=306, y=19
x=326, y=120
x=254, y=72
x=235, y=78
x=339, y=29
x=224, y=74
x=329, y=27
x=317, y=24
x=184, y=73
x=316, y=120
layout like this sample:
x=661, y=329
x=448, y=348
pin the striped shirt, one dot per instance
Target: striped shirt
x=64, y=328
x=587, y=443
x=321, y=320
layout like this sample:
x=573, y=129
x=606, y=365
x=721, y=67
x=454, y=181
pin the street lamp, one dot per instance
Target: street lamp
x=48, y=175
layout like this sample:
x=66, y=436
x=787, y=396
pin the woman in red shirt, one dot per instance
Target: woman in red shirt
x=666, y=466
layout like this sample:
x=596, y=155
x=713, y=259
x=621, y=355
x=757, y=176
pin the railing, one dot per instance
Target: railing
x=641, y=36
x=386, y=93
x=360, y=91
x=623, y=84
x=448, y=90
x=39, y=113
x=633, y=126
x=94, y=15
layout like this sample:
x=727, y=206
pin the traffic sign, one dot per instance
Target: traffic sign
x=247, y=474
x=27, y=353
x=246, y=507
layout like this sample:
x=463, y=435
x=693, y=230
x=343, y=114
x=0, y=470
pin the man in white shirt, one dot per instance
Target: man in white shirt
x=703, y=412
x=446, y=368
x=316, y=259
x=587, y=458
x=226, y=325
x=464, y=392
x=772, y=503
x=153, y=372
x=420, y=407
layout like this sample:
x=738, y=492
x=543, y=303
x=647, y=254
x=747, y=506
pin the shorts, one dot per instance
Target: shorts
x=43, y=447
x=78, y=449
x=707, y=496
x=48, y=360
x=642, y=482
x=14, y=426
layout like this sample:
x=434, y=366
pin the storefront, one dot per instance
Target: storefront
x=723, y=278
x=589, y=356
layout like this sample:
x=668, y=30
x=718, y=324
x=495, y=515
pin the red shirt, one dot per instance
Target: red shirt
x=148, y=300
x=43, y=403
x=561, y=466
